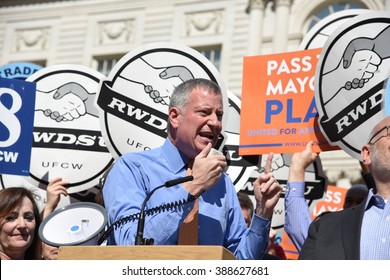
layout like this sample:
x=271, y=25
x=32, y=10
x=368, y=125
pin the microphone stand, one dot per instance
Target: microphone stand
x=139, y=239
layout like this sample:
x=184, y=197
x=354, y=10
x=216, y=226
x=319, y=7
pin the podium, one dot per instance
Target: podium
x=144, y=252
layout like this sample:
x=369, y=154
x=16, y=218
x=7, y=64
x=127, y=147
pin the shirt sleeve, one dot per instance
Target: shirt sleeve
x=298, y=218
x=254, y=242
x=246, y=243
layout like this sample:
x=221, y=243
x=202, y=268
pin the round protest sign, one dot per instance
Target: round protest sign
x=133, y=101
x=351, y=76
x=67, y=141
x=320, y=33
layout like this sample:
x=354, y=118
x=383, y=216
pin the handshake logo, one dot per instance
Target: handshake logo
x=67, y=140
x=351, y=76
x=133, y=101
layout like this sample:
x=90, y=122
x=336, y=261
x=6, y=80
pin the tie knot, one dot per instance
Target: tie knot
x=189, y=166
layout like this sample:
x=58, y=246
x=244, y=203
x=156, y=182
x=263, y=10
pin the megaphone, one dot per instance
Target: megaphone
x=74, y=224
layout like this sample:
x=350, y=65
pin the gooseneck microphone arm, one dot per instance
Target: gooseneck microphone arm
x=139, y=239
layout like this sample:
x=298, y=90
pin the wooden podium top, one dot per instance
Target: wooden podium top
x=144, y=252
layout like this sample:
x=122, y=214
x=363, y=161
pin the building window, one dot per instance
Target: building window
x=105, y=64
x=213, y=54
x=39, y=62
x=333, y=8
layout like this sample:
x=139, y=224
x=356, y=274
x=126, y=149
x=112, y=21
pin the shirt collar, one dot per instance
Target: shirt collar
x=176, y=159
x=374, y=200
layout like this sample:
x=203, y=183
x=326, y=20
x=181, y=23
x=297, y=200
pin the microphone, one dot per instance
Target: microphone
x=139, y=239
x=178, y=181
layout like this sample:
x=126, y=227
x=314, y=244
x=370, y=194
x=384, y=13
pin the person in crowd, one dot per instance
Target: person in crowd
x=54, y=190
x=102, y=180
x=247, y=207
x=194, y=124
x=19, y=224
x=355, y=195
x=274, y=251
x=297, y=212
x=360, y=232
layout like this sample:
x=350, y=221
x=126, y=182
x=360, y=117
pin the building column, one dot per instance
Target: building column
x=256, y=11
x=387, y=5
x=282, y=11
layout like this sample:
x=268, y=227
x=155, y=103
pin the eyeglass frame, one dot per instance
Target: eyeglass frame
x=378, y=132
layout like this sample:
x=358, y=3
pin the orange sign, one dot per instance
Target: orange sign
x=332, y=202
x=289, y=248
x=278, y=110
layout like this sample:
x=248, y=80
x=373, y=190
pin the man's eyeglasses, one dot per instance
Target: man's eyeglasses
x=383, y=132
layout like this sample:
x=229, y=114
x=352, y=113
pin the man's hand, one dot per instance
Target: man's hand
x=267, y=191
x=206, y=171
x=299, y=163
x=54, y=190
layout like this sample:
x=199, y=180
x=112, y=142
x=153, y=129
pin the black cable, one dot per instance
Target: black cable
x=151, y=211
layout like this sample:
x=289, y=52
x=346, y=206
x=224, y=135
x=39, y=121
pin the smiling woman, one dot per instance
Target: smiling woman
x=19, y=223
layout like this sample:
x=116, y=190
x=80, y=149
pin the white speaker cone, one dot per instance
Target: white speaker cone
x=75, y=224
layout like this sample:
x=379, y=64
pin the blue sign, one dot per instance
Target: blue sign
x=17, y=103
x=18, y=70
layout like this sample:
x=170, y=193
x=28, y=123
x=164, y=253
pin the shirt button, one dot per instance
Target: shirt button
x=383, y=240
x=388, y=218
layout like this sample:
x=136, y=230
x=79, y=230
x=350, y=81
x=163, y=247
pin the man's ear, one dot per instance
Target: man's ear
x=174, y=115
x=366, y=154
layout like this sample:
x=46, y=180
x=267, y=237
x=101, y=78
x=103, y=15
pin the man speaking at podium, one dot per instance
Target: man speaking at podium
x=195, y=122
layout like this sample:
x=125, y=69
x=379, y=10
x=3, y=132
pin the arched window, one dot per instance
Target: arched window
x=333, y=8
